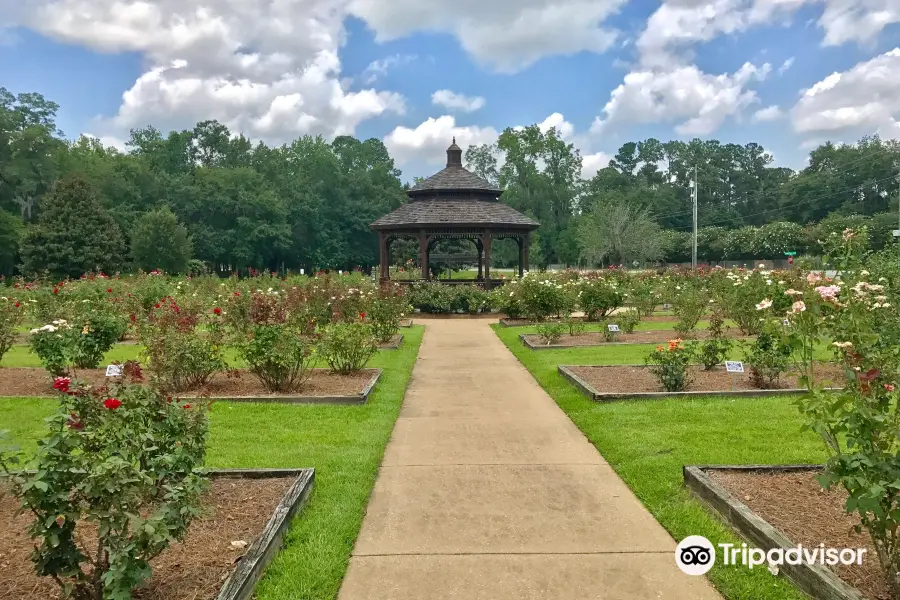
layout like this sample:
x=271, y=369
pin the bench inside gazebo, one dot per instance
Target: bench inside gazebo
x=454, y=204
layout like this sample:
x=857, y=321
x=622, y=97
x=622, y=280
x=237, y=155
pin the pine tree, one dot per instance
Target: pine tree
x=74, y=234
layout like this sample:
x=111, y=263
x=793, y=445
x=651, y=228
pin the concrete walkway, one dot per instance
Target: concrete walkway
x=489, y=492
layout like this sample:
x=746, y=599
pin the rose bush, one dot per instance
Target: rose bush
x=123, y=462
x=670, y=365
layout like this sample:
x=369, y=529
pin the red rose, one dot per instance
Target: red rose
x=186, y=406
x=217, y=311
x=237, y=293
x=109, y=290
x=55, y=291
x=62, y=384
x=157, y=305
x=133, y=318
x=17, y=305
x=112, y=403
x=362, y=316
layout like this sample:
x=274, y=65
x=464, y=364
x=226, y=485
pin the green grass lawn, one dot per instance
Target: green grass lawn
x=647, y=443
x=345, y=444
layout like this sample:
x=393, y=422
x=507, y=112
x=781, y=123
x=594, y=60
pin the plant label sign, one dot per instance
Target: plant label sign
x=114, y=370
x=613, y=327
x=734, y=366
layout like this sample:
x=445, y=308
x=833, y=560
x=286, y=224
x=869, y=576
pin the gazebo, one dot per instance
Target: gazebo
x=454, y=204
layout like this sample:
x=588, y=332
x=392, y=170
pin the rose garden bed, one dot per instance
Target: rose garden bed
x=595, y=338
x=637, y=381
x=241, y=386
x=529, y=323
x=782, y=506
x=252, y=506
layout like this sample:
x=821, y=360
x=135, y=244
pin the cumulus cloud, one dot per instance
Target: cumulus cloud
x=865, y=97
x=696, y=102
x=591, y=163
x=506, y=35
x=769, y=113
x=267, y=69
x=785, y=66
x=429, y=140
x=453, y=101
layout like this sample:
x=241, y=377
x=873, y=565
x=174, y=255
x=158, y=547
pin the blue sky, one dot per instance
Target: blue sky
x=605, y=72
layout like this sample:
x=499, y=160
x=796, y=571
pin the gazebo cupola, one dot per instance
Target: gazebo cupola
x=454, y=203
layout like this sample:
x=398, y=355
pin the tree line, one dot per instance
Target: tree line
x=206, y=198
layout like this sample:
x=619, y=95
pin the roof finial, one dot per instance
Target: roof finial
x=454, y=139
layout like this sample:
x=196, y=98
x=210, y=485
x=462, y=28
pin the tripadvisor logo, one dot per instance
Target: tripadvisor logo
x=696, y=555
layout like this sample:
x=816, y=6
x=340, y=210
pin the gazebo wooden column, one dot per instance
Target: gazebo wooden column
x=383, y=258
x=480, y=247
x=486, y=241
x=524, y=246
x=423, y=254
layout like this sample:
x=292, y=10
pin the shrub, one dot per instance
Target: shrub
x=575, y=325
x=715, y=348
x=768, y=357
x=431, y=297
x=62, y=345
x=551, y=332
x=628, y=320
x=542, y=297
x=689, y=303
x=642, y=295
x=670, y=365
x=124, y=463
x=347, y=347
x=608, y=334
x=183, y=344
x=599, y=296
x=12, y=313
x=386, y=309
x=858, y=425
x=275, y=347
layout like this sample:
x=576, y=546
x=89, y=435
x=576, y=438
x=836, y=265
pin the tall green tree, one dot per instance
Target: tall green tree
x=159, y=241
x=74, y=233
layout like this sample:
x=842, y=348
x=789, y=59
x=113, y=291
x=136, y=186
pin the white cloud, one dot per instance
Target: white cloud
x=453, y=101
x=866, y=98
x=267, y=69
x=785, y=66
x=380, y=67
x=859, y=21
x=507, y=35
x=698, y=103
x=591, y=163
x=429, y=140
x=770, y=113
x=564, y=129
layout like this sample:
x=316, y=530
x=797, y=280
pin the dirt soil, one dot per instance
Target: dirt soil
x=637, y=379
x=234, y=510
x=594, y=338
x=797, y=505
x=37, y=382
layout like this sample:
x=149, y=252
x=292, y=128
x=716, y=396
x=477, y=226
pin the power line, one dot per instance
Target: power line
x=758, y=193
x=855, y=187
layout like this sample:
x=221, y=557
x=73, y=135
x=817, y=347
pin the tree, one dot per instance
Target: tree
x=11, y=228
x=74, y=233
x=160, y=242
x=618, y=232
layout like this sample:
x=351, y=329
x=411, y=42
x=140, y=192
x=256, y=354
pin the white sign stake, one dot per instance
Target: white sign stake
x=114, y=370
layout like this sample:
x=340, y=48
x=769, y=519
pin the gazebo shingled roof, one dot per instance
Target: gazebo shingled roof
x=454, y=203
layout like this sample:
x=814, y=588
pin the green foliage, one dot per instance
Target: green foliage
x=669, y=364
x=552, y=331
x=74, y=234
x=124, y=462
x=859, y=425
x=347, y=347
x=12, y=314
x=11, y=231
x=628, y=320
x=63, y=345
x=184, y=343
x=618, y=230
x=689, y=301
x=768, y=357
x=715, y=348
x=160, y=242
x=599, y=295
x=385, y=311
x=276, y=345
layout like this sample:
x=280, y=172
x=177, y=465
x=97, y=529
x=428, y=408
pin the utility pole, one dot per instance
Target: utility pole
x=897, y=231
x=694, y=241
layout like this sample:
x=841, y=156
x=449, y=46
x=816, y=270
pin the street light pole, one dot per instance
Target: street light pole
x=694, y=241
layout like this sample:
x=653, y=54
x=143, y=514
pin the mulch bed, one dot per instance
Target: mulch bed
x=594, y=338
x=796, y=504
x=630, y=379
x=234, y=510
x=323, y=383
